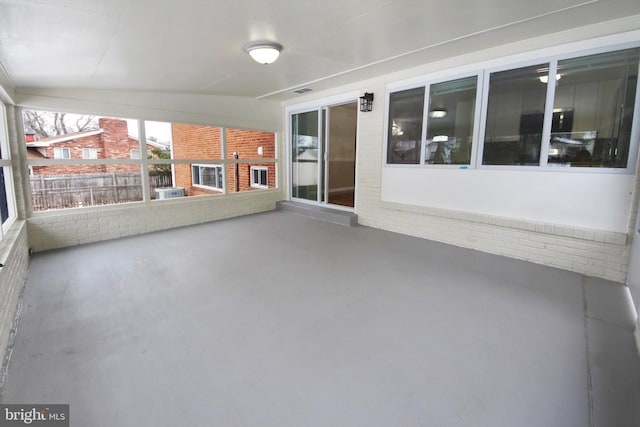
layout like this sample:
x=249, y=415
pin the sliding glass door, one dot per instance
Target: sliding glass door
x=323, y=148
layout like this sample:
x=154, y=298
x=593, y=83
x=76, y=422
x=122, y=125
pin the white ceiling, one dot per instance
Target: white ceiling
x=195, y=46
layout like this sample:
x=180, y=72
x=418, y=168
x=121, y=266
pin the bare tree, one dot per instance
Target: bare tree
x=85, y=122
x=46, y=124
x=36, y=122
x=58, y=120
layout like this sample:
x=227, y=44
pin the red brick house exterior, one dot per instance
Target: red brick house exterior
x=246, y=144
x=193, y=142
x=111, y=141
x=203, y=142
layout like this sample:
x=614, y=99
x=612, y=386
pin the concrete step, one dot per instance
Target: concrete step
x=348, y=219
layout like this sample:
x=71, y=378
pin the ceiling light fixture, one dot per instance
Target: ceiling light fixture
x=264, y=52
x=437, y=113
x=545, y=78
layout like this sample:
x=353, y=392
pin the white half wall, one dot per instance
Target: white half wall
x=597, y=201
x=14, y=256
x=71, y=227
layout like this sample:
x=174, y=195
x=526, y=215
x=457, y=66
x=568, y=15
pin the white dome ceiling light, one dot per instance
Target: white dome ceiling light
x=264, y=52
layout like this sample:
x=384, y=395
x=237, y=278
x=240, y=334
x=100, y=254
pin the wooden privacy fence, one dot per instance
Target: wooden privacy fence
x=72, y=191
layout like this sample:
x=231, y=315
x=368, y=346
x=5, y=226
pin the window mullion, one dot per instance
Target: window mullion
x=476, y=144
x=482, y=122
x=223, y=154
x=548, y=114
x=425, y=122
x=144, y=162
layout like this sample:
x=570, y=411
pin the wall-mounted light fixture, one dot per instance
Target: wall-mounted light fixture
x=366, y=102
x=264, y=52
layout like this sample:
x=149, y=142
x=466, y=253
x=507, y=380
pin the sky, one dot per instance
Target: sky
x=161, y=130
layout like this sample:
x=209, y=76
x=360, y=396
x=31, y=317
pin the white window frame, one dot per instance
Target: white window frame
x=386, y=126
x=259, y=169
x=209, y=166
x=5, y=164
x=58, y=150
x=135, y=154
x=484, y=70
x=89, y=153
x=476, y=118
x=546, y=130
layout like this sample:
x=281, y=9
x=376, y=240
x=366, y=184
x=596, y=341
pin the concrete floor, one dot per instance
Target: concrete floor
x=281, y=320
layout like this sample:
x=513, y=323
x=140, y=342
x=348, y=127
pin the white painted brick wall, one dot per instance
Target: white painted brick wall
x=591, y=252
x=58, y=229
x=14, y=254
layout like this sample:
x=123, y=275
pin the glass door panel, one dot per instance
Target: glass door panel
x=341, y=156
x=305, y=156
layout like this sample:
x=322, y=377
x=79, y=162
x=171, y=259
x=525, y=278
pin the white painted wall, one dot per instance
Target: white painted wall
x=7, y=92
x=588, y=200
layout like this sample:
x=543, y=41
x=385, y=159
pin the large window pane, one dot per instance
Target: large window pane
x=450, y=121
x=183, y=142
x=64, y=136
x=54, y=138
x=406, y=110
x=203, y=145
x=7, y=200
x=245, y=144
x=593, y=110
x=515, y=115
x=74, y=186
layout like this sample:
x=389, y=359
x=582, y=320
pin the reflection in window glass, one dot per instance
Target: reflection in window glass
x=450, y=122
x=515, y=115
x=406, y=110
x=593, y=110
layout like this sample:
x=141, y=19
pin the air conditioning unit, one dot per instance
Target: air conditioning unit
x=169, y=192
